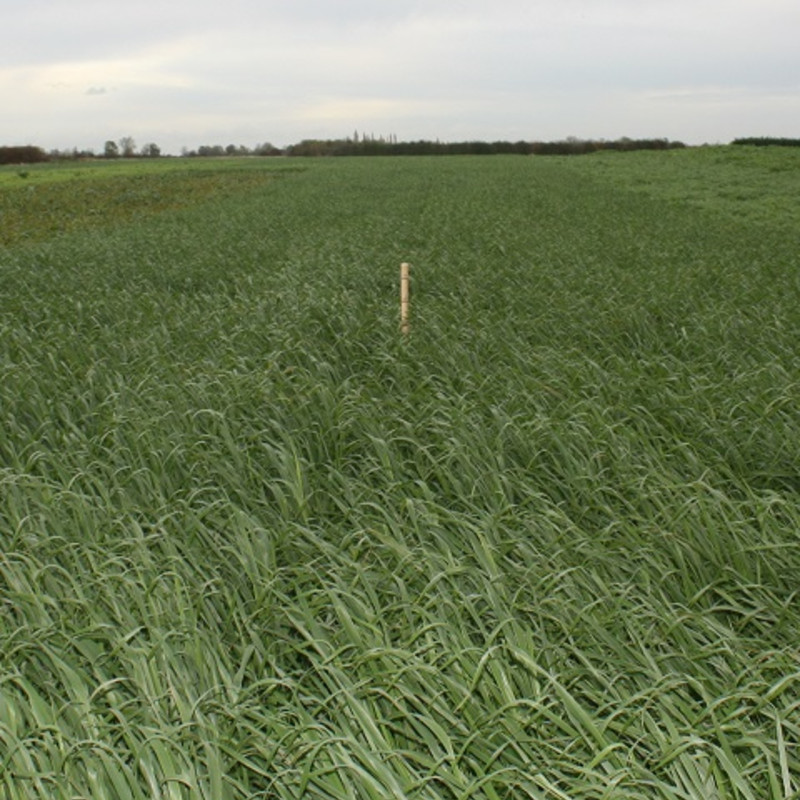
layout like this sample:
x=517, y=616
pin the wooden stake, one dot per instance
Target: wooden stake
x=404, y=296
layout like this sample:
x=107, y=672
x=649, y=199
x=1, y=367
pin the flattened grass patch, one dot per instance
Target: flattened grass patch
x=32, y=213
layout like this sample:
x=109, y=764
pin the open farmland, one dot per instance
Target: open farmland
x=254, y=543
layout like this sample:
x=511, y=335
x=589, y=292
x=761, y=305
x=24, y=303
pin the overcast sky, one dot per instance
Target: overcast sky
x=180, y=73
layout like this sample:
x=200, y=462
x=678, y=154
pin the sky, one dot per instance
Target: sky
x=183, y=73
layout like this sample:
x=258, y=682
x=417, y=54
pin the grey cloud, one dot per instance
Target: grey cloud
x=424, y=68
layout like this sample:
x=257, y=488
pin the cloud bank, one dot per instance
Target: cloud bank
x=191, y=73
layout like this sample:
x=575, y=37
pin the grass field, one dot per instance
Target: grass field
x=256, y=544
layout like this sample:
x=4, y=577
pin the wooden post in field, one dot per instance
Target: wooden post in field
x=404, y=295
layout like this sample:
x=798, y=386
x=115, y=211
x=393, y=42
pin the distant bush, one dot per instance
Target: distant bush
x=766, y=141
x=22, y=154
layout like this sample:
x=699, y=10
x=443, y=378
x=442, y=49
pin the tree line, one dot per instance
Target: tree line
x=367, y=145
x=767, y=141
x=126, y=147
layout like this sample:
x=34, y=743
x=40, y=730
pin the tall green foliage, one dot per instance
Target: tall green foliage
x=254, y=544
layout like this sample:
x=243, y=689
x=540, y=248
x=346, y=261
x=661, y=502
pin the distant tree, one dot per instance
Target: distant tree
x=74, y=154
x=110, y=150
x=310, y=147
x=151, y=150
x=77, y=154
x=127, y=146
x=266, y=149
x=210, y=150
x=23, y=154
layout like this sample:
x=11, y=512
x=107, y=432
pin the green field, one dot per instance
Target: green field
x=254, y=543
